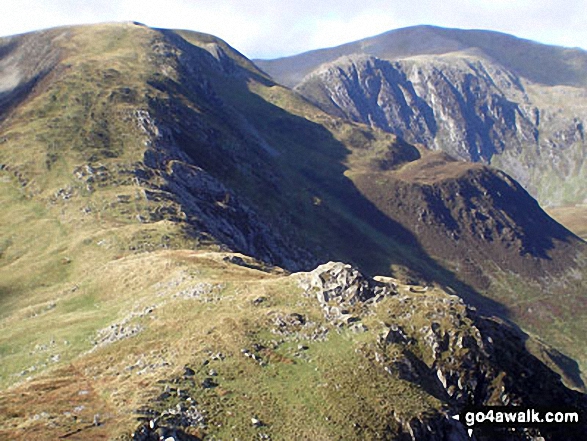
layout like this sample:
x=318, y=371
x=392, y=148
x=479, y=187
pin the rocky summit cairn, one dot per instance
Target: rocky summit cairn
x=338, y=287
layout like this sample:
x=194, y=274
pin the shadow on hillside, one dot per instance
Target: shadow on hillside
x=527, y=376
x=526, y=370
x=301, y=190
x=290, y=169
x=532, y=377
x=12, y=98
x=21, y=48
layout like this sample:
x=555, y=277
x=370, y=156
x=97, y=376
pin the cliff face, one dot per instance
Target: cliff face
x=471, y=108
x=460, y=104
x=471, y=99
x=156, y=190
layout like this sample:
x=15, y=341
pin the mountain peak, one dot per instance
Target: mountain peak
x=157, y=192
x=538, y=62
x=478, y=95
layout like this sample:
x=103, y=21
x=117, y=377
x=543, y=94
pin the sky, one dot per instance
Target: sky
x=275, y=28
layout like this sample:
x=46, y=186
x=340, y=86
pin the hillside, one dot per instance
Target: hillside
x=481, y=96
x=537, y=62
x=158, y=190
x=574, y=217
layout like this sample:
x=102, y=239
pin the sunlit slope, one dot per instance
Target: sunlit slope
x=156, y=190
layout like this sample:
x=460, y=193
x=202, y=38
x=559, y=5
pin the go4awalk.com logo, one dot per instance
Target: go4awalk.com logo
x=514, y=417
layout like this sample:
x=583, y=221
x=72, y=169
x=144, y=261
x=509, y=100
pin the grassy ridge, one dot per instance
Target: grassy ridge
x=102, y=305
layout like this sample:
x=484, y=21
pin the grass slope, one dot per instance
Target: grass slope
x=107, y=292
x=573, y=217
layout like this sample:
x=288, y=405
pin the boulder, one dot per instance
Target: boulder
x=339, y=284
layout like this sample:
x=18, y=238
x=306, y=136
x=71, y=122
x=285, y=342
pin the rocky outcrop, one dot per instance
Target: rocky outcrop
x=479, y=96
x=342, y=284
x=469, y=107
x=340, y=289
x=454, y=353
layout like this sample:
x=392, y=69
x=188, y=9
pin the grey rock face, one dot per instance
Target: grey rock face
x=338, y=287
x=211, y=209
x=469, y=107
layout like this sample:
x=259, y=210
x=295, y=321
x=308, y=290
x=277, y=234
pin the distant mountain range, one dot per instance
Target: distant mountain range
x=481, y=96
x=189, y=248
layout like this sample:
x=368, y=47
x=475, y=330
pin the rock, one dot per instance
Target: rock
x=339, y=286
x=396, y=335
x=359, y=328
x=200, y=291
x=387, y=280
x=348, y=319
x=208, y=383
x=290, y=323
x=442, y=378
x=116, y=332
x=258, y=347
x=188, y=372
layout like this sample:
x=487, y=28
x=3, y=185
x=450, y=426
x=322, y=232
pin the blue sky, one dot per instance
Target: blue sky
x=273, y=28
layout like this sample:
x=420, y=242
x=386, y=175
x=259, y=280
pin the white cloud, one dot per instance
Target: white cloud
x=270, y=28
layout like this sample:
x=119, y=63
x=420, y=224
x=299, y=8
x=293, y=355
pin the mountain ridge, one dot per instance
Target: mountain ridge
x=486, y=97
x=427, y=39
x=158, y=188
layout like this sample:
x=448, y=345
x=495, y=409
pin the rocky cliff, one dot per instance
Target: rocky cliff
x=465, y=93
x=157, y=189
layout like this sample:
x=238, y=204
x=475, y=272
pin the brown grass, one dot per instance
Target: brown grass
x=573, y=217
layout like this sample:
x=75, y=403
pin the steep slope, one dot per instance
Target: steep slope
x=136, y=164
x=488, y=230
x=478, y=95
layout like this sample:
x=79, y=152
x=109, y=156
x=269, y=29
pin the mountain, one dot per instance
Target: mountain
x=480, y=96
x=166, y=206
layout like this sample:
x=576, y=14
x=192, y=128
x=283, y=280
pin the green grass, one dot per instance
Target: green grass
x=314, y=395
x=72, y=266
